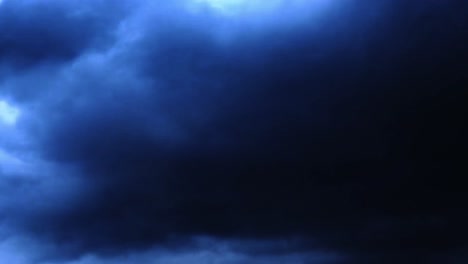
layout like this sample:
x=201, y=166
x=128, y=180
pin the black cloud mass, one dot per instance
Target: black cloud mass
x=245, y=132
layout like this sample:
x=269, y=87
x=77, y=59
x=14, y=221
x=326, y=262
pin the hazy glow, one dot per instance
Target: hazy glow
x=265, y=11
x=8, y=113
x=236, y=7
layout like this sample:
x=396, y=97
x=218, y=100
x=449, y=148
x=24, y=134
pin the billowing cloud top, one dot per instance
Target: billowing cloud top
x=203, y=131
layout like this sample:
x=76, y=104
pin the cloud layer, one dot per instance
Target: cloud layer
x=318, y=132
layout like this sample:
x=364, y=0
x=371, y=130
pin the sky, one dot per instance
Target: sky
x=233, y=131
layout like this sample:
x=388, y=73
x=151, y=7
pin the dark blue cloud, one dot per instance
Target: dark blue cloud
x=342, y=130
x=35, y=32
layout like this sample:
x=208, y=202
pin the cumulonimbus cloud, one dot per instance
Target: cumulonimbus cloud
x=147, y=125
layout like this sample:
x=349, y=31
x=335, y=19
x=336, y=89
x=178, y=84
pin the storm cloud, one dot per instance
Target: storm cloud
x=189, y=132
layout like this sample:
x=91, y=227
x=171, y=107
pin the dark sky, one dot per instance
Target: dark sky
x=233, y=132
